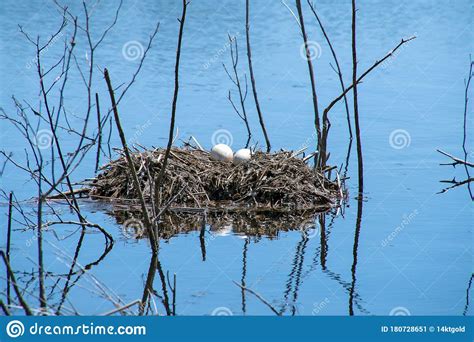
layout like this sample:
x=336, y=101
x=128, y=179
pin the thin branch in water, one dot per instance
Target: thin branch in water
x=42, y=296
x=456, y=161
x=365, y=73
x=99, y=134
x=252, y=77
x=291, y=12
x=360, y=163
x=242, y=113
x=121, y=308
x=131, y=166
x=159, y=179
x=317, y=122
x=326, y=123
x=9, y=236
x=466, y=100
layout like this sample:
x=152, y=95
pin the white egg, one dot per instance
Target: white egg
x=242, y=156
x=222, y=152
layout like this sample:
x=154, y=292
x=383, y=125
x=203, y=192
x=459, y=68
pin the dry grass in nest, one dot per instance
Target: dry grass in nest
x=276, y=181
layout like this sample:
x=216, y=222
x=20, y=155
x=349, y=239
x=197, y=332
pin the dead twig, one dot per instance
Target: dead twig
x=149, y=227
x=456, y=161
x=360, y=162
x=159, y=179
x=252, y=77
x=317, y=123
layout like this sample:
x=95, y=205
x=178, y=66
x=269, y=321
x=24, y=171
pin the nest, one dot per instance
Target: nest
x=269, y=181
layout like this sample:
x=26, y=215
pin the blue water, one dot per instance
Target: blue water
x=425, y=266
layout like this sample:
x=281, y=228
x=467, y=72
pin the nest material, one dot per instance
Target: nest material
x=194, y=180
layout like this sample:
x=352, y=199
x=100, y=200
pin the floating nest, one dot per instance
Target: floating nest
x=277, y=181
x=272, y=192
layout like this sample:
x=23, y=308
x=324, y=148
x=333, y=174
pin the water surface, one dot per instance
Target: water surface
x=414, y=252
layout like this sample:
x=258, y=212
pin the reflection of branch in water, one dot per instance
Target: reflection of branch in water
x=148, y=290
x=5, y=310
x=166, y=301
x=458, y=161
x=68, y=285
x=263, y=300
x=455, y=183
x=244, y=272
x=468, y=82
x=82, y=270
x=324, y=244
x=295, y=275
x=466, y=307
x=202, y=239
x=332, y=275
x=23, y=303
x=71, y=270
x=347, y=286
x=354, y=252
x=173, y=291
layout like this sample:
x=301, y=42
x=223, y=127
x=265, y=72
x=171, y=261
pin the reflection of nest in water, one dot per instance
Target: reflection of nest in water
x=193, y=179
x=253, y=223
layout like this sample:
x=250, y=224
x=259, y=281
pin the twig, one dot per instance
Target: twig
x=360, y=163
x=456, y=161
x=466, y=100
x=365, y=73
x=131, y=166
x=252, y=77
x=326, y=123
x=197, y=143
x=159, y=179
x=291, y=12
x=99, y=134
x=455, y=184
x=236, y=81
x=124, y=307
x=4, y=308
x=317, y=123
x=42, y=296
x=9, y=235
